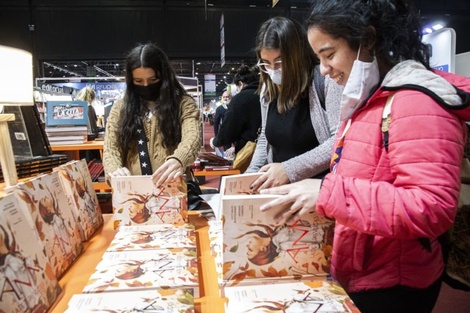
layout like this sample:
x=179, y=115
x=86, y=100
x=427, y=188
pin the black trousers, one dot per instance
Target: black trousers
x=397, y=299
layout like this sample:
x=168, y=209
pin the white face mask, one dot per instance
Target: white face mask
x=363, y=78
x=276, y=75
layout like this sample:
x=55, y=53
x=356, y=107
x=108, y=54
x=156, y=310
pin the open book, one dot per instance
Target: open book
x=257, y=246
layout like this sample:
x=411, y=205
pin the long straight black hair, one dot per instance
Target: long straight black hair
x=168, y=111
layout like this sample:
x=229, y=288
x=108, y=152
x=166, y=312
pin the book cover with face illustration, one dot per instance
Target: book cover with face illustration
x=180, y=300
x=158, y=236
x=137, y=201
x=144, y=269
x=320, y=296
x=27, y=279
x=78, y=186
x=46, y=203
x=258, y=245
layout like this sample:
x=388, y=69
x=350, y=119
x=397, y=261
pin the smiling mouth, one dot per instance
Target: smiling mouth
x=338, y=78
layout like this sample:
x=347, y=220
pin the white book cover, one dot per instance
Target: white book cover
x=318, y=296
x=179, y=300
x=137, y=201
x=78, y=186
x=145, y=269
x=51, y=212
x=159, y=236
x=27, y=279
x=257, y=245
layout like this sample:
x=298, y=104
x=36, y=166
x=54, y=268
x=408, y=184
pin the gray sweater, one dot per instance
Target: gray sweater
x=325, y=125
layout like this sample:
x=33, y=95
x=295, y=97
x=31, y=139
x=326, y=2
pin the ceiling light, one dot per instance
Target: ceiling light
x=437, y=26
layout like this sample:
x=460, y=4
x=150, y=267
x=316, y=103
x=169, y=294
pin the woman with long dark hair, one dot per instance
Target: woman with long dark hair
x=155, y=129
x=299, y=108
x=395, y=171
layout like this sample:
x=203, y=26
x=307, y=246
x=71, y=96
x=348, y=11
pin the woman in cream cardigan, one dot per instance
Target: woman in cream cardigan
x=155, y=129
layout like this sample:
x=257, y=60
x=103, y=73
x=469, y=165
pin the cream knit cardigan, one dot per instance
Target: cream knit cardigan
x=186, y=151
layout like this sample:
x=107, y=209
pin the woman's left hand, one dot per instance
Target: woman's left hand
x=273, y=175
x=301, y=198
x=167, y=172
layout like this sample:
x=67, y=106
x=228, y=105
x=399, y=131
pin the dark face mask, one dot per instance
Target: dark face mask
x=149, y=92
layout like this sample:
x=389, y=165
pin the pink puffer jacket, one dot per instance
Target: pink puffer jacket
x=383, y=202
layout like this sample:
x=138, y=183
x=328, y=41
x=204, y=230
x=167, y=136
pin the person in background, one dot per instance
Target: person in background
x=297, y=131
x=88, y=94
x=157, y=115
x=390, y=202
x=242, y=120
x=220, y=114
x=208, y=113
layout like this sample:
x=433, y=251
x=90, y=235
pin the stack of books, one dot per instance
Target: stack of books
x=33, y=166
x=42, y=229
x=265, y=263
x=67, y=122
x=146, y=267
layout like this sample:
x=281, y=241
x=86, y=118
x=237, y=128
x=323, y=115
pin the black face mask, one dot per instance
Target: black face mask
x=149, y=92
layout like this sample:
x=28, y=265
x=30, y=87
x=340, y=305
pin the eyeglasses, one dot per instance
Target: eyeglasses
x=264, y=66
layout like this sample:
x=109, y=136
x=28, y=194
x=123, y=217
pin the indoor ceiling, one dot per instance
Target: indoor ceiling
x=115, y=68
x=458, y=10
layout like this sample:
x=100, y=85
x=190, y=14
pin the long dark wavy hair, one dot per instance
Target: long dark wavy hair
x=168, y=109
x=396, y=24
x=298, y=61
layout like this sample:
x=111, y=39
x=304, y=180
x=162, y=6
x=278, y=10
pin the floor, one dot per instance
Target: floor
x=450, y=300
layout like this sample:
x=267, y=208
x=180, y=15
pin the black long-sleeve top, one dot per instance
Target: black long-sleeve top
x=242, y=119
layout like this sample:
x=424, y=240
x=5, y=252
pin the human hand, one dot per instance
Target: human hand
x=168, y=171
x=300, y=197
x=230, y=153
x=274, y=175
x=122, y=171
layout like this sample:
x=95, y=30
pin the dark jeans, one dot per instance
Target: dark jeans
x=397, y=299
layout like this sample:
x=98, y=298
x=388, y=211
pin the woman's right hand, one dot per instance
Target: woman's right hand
x=122, y=171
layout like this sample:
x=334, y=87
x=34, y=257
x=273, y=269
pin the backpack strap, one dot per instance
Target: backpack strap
x=319, y=82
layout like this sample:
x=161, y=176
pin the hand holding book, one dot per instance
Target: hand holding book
x=300, y=198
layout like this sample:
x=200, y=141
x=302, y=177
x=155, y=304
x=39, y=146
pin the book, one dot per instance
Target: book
x=78, y=187
x=64, y=130
x=219, y=168
x=320, y=296
x=137, y=201
x=160, y=300
x=47, y=205
x=144, y=269
x=67, y=142
x=256, y=245
x=62, y=138
x=157, y=236
x=27, y=279
x=67, y=113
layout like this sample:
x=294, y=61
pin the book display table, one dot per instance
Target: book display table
x=76, y=277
